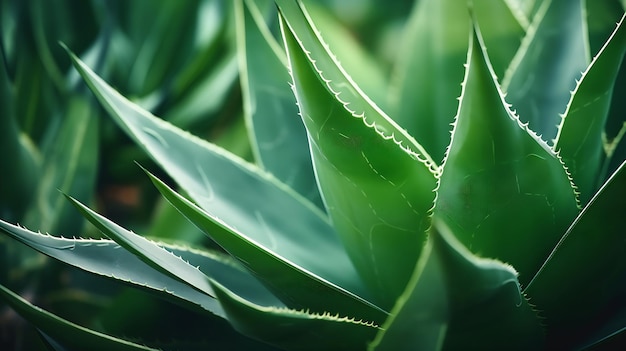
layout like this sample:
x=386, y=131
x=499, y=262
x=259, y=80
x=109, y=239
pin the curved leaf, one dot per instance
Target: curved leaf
x=293, y=329
x=108, y=259
x=503, y=192
x=64, y=332
x=580, y=137
x=378, y=193
x=289, y=267
x=582, y=283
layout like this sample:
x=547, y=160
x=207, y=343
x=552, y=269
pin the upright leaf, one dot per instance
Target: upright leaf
x=377, y=191
x=580, y=138
x=503, y=192
x=543, y=72
x=279, y=138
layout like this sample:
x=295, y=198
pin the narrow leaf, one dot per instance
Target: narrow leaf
x=66, y=333
x=580, y=137
x=294, y=329
x=289, y=267
x=496, y=167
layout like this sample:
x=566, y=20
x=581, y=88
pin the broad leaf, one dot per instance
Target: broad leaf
x=287, y=267
x=581, y=284
x=279, y=138
x=543, y=72
x=580, y=138
x=377, y=191
x=295, y=329
x=503, y=192
x=457, y=301
x=66, y=333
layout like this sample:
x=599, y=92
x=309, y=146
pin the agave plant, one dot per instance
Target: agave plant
x=493, y=222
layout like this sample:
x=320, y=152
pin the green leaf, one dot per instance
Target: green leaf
x=582, y=281
x=287, y=265
x=148, y=251
x=293, y=329
x=279, y=138
x=378, y=192
x=66, y=333
x=580, y=137
x=503, y=192
x=544, y=70
x=96, y=256
x=457, y=301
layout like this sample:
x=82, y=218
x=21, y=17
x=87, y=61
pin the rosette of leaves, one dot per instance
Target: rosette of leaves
x=491, y=221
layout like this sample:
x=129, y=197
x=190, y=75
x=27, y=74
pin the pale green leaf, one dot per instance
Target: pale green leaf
x=378, y=192
x=289, y=267
x=504, y=193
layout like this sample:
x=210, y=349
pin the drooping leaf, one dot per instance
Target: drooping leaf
x=457, y=301
x=295, y=329
x=544, y=70
x=378, y=192
x=580, y=137
x=279, y=138
x=581, y=285
x=503, y=192
x=289, y=268
x=66, y=333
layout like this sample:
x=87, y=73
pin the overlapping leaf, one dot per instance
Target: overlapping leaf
x=503, y=191
x=377, y=191
x=580, y=137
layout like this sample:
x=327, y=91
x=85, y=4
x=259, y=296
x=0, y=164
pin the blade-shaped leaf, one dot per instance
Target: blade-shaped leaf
x=457, y=301
x=293, y=329
x=279, y=138
x=66, y=333
x=503, y=192
x=148, y=251
x=291, y=274
x=378, y=192
x=582, y=282
x=543, y=72
x=108, y=259
x=580, y=135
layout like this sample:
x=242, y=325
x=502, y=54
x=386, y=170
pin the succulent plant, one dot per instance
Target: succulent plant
x=491, y=222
